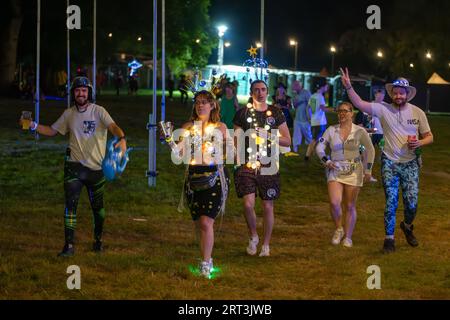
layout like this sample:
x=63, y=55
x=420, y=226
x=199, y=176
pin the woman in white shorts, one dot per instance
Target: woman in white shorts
x=345, y=172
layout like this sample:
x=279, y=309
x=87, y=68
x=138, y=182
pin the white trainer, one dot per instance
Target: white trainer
x=337, y=236
x=206, y=267
x=372, y=179
x=348, y=243
x=252, y=245
x=265, y=251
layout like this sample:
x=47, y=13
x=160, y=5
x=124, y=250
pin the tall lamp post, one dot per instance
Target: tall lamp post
x=222, y=29
x=333, y=52
x=294, y=43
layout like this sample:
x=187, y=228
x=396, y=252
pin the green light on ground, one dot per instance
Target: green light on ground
x=214, y=273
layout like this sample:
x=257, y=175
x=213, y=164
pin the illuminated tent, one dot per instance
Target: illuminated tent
x=434, y=80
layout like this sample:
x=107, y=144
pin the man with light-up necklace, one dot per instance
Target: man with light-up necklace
x=250, y=178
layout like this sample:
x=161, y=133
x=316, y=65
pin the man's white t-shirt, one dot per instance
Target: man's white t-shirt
x=88, y=134
x=318, y=115
x=397, y=126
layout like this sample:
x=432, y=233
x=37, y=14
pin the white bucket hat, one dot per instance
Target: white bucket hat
x=401, y=83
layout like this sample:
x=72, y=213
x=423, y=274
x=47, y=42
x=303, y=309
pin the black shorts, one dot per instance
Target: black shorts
x=317, y=131
x=247, y=182
x=206, y=202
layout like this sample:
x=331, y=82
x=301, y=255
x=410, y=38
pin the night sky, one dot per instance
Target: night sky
x=316, y=24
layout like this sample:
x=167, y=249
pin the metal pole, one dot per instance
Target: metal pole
x=220, y=54
x=151, y=126
x=38, y=61
x=68, y=62
x=332, y=64
x=296, y=47
x=261, y=51
x=94, y=55
x=163, y=61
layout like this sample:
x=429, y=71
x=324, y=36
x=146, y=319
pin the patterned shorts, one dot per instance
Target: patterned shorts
x=247, y=182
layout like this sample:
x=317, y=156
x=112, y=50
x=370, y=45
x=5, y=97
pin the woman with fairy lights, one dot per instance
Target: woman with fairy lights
x=206, y=181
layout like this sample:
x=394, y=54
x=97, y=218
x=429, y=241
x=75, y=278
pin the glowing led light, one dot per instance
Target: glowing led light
x=209, y=129
x=260, y=140
x=269, y=113
x=249, y=120
x=249, y=105
x=249, y=150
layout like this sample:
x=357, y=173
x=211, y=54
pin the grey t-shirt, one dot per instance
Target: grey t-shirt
x=88, y=134
x=397, y=126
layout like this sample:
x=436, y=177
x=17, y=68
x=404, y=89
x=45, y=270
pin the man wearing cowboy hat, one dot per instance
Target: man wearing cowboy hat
x=402, y=122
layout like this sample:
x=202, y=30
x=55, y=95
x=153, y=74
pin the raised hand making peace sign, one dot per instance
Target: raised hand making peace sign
x=345, y=78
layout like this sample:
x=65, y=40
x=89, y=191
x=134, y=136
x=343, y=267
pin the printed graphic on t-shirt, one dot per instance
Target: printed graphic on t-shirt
x=414, y=122
x=314, y=103
x=89, y=127
x=270, y=121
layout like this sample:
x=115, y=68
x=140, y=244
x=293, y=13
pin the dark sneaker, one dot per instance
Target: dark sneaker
x=389, y=245
x=67, y=251
x=410, y=238
x=98, y=246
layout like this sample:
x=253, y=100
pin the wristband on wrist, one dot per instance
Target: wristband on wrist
x=325, y=160
x=121, y=138
x=33, y=126
x=348, y=88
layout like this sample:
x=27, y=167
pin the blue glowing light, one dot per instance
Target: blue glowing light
x=134, y=65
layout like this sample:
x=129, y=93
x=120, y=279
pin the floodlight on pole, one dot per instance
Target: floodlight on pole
x=380, y=54
x=333, y=51
x=428, y=55
x=294, y=43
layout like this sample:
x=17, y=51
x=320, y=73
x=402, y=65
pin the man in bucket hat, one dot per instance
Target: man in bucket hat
x=402, y=123
x=88, y=125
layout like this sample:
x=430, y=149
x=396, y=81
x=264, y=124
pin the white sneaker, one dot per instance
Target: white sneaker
x=348, y=243
x=252, y=245
x=372, y=179
x=265, y=251
x=337, y=236
x=206, y=267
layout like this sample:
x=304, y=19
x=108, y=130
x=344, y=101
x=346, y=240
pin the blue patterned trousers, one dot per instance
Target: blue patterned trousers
x=406, y=176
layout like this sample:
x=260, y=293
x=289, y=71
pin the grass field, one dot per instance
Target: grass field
x=150, y=258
